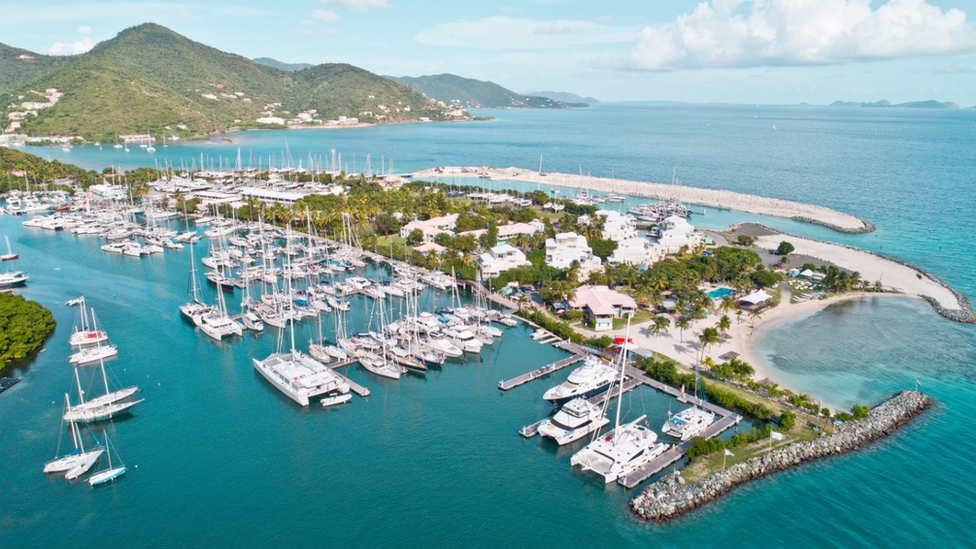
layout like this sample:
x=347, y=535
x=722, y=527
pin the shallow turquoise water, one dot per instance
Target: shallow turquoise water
x=224, y=460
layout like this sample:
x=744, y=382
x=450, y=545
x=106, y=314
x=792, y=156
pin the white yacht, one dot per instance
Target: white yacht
x=464, y=339
x=688, y=423
x=11, y=279
x=437, y=343
x=77, y=458
x=592, y=378
x=217, y=325
x=575, y=420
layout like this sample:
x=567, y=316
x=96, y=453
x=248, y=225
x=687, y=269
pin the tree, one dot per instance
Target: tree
x=709, y=337
x=755, y=315
x=602, y=248
x=492, y=234
x=785, y=248
x=724, y=324
x=745, y=240
x=661, y=324
x=682, y=324
x=416, y=236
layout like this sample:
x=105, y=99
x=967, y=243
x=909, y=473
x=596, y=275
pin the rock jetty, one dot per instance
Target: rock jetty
x=671, y=497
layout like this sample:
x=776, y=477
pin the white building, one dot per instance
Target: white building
x=265, y=195
x=636, y=251
x=500, y=259
x=617, y=226
x=566, y=248
x=431, y=227
x=601, y=305
x=676, y=233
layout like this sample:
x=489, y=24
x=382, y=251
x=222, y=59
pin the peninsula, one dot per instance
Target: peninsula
x=712, y=198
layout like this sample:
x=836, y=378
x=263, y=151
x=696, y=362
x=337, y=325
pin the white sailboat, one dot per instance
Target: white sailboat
x=217, y=324
x=10, y=255
x=63, y=463
x=194, y=309
x=86, y=333
x=109, y=404
x=91, y=354
x=111, y=472
x=625, y=448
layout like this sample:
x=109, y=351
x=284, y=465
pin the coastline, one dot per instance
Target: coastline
x=712, y=198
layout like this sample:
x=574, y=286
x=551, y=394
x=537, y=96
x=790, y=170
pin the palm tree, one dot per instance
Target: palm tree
x=682, y=323
x=709, y=337
x=661, y=324
x=755, y=315
x=727, y=305
x=724, y=324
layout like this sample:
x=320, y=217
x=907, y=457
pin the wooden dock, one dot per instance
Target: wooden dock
x=536, y=374
x=356, y=388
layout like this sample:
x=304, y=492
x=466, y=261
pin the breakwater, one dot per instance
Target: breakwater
x=671, y=497
x=867, y=226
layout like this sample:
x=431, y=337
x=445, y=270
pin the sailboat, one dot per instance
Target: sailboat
x=194, y=309
x=318, y=348
x=217, y=323
x=379, y=363
x=79, y=456
x=111, y=472
x=90, y=354
x=249, y=318
x=10, y=255
x=86, y=334
x=101, y=407
x=626, y=447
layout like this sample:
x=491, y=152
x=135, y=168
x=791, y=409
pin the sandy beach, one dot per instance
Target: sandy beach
x=690, y=195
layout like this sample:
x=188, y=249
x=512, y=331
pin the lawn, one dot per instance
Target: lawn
x=640, y=316
x=706, y=466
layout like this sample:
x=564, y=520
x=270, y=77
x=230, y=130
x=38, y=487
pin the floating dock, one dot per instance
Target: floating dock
x=536, y=374
x=356, y=388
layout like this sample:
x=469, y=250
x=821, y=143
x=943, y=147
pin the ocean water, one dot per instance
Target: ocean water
x=220, y=458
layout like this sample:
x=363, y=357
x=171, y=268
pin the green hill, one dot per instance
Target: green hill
x=151, y=79
x=18, y=67
x=289, y=67
x=470, y=93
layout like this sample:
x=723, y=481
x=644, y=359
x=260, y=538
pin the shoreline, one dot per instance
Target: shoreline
x=712, y=198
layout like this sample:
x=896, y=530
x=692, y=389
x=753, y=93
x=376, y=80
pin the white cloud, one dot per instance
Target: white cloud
x=749, y=33
x=71, y=48
x=84, y=30
x=357, y=5
x=502, y=32
x=325, y=16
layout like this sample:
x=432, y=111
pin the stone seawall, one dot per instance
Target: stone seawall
x=670, y=497
x=867, y=227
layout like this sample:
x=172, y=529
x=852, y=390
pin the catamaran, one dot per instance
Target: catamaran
x=624, y=449
x=691, y=421
x=111, y=472
x=590, y=379
x=296, y=374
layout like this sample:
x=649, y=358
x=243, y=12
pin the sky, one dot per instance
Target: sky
x=731, y=51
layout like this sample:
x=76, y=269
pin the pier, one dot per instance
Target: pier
x=536, y=374
x=355, y=387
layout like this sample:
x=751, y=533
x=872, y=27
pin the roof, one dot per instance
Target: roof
x=601, y=300
x=756, y=298
x=429, y=247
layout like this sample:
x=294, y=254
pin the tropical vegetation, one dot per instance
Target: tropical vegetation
x=23, y=327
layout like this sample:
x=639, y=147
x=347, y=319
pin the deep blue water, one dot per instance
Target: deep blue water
x=224, y=460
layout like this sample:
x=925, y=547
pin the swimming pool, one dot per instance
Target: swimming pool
x=720, y=293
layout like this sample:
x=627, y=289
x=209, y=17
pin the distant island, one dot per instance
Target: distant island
x=930, y=104
x=565, y=97
x=151, y=80
x=468, y=93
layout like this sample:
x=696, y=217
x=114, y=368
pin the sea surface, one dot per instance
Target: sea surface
x=217, y=457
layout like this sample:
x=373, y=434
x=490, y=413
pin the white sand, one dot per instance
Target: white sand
x=689, y=195
x=872, y=267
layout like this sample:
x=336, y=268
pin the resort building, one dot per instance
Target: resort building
x=601, y=305
x=506, y=232
x=636, y=251
x=566, y=248
x=500, y=259
x=617, y=226
x=677, y=233
x=431, y=227
x=429, y=248
x=266, y=195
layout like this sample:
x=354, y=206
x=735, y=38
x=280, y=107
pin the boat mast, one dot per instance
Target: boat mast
x=620, y=392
